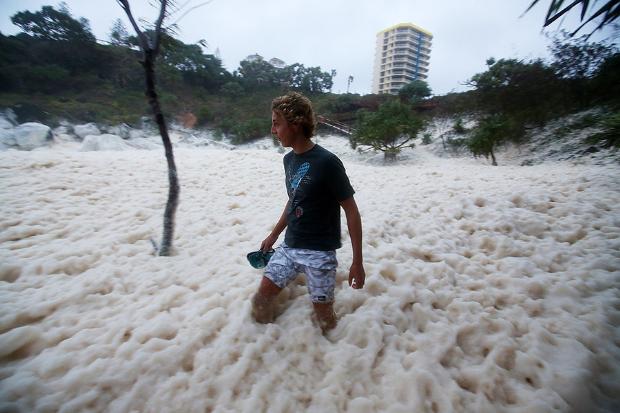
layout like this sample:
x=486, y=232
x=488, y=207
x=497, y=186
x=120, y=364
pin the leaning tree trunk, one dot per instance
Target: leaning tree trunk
x=173, y=189
x=494, y=163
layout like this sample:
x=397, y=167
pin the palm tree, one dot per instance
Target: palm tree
x=609, y=12
x=349, y=81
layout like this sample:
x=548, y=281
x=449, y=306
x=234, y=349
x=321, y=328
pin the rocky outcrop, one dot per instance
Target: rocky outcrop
x=8, y=119
x=123, y=130
x=26, y=137
x=82, y=131
x=105, y=142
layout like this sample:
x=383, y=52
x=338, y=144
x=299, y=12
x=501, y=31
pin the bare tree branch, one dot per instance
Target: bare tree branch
x=141, y=37
x=150, y=52
x=181, y=7
x=160, y=19
x=193, y=8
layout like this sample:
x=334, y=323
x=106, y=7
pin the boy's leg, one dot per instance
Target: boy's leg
x=326, y=316
x=262, y=302
x=279, y=272
x=321, y=285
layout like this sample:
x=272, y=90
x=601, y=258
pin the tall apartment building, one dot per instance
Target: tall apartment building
x=402, y=54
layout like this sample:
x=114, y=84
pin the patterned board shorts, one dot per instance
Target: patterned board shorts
x=319, y=267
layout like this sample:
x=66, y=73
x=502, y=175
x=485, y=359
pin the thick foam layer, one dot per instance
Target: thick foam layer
x=488, y=288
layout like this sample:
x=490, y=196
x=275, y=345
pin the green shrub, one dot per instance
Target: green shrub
x=491, y=132
x=586, y=121
x=47, y=79
x=250, y=130
x=456, y=143
x=426, y=139
x=203, y=116
x=29, y=112
x=610, y=135
x=458, y=127
x=343, y=103
x=392, y=127
x=583, y=122
x=232, y=89
x=414, y=92
x=226, y=126
x=169, y=102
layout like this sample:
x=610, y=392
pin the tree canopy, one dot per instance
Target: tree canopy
x=577, y=58
x=56, y=51
x=491, y=131
x=52, y=24
x=257, y=72
x=392, y=127
x=415, y=91
x=521, y=88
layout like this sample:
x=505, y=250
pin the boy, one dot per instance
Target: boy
x=317, y=186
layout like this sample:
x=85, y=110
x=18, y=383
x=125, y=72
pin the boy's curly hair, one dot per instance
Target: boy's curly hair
x=296, y=109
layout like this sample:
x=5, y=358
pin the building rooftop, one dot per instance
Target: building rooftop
x=411, y=25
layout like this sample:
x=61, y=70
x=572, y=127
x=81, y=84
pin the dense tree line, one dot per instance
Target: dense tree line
x=512, y=95
x=257, y=72
x=56, y=51
x=57, y=54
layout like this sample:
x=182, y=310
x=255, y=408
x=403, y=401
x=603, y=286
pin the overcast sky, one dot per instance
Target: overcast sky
x=339, y=34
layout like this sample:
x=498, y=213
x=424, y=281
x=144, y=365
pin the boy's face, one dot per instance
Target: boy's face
x=286, y=132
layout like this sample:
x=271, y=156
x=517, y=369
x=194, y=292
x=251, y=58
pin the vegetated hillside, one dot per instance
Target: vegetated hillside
x=55, y=70
x=575, y=138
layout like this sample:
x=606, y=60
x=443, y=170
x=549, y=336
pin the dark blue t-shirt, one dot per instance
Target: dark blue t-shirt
x=316, y=182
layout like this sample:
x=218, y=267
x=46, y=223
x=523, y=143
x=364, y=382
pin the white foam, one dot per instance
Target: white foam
x=488, y=288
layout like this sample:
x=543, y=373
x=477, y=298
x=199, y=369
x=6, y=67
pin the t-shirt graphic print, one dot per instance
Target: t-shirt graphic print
x=295, y=182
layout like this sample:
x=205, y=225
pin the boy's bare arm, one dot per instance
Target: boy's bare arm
x=271, y=239
x=357, y=275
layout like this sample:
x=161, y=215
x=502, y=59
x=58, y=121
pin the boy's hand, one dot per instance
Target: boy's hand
x=268, y=242
x=357, y=276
